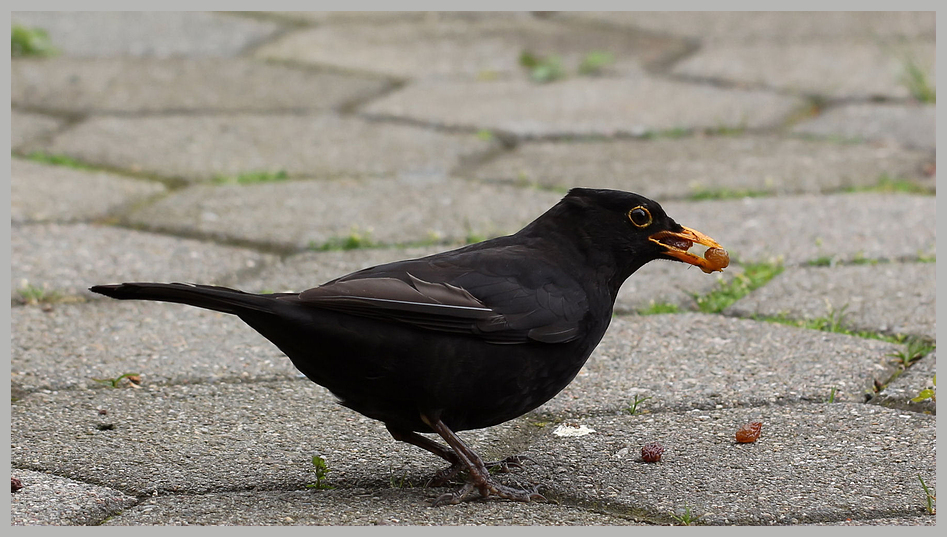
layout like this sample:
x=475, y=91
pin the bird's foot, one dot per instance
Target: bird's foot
x=489, y=488
x=505, y=466
x=479, y=477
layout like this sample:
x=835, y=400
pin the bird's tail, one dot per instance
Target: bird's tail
x=209, y=297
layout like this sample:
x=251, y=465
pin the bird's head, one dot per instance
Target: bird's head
x=640, y=229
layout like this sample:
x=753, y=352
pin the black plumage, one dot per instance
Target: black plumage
x=463, y=339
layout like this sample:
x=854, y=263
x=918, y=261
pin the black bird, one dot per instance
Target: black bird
x=468, y=338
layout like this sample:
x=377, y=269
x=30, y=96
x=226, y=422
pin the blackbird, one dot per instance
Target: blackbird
x=468, y=338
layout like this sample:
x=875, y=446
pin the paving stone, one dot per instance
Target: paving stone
x=139, y=85
x=49, y=500
x=483, y=48
x=379, y=17
x=899, y=392
x=800, y=229
x=922, y=520
x=309, y=269
x=659, y=282
x=68, y=346
x=195, y=148
x=221, y=437
x=27, y=126
x=812, y=463
x=701, y=361
x=147, y=33
x=908, y=125
x=834, y=70
x=301, y=214
x=39, y=192
x=669, y=283
x=665, y=169
x=893, y=298
x=777, y=26
x=582, y=107
x=67, y=259
x=359, y=507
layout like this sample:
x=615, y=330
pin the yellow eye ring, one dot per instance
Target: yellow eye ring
x=640, y=216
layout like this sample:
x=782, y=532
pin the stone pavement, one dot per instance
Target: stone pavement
x=275, y=151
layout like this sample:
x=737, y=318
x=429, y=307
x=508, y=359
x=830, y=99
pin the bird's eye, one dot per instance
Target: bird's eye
x=640, y=216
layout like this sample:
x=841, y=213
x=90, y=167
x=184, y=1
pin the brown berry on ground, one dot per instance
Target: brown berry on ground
x=651, y=452
x=749, y=432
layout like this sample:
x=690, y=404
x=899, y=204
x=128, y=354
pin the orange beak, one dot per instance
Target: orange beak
x=677, y=244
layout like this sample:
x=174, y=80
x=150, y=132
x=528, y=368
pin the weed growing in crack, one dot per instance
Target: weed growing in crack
x=686, y=518
x=321, y=468
x=930, y=497
x=927, y=393
x=633, y=405
x=914, y=349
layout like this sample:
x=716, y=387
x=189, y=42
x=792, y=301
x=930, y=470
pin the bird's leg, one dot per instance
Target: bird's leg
x=480, y=478
x=423, y=442
x=444, y=476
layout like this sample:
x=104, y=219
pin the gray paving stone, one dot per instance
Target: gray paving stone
x=49, y=500
x=39, y=192
x=908, y=125
x=668, y=282
x=379, y=17
x=665, y=169
x=70, y=345
x=350, y=507
x=27, y=126
x=487, y=47
x=778, y=26
x=701, y=361
x=923, y=520
x=582, y=106
x=812, y=463
x=833, y=70
x=220, y=437
x=899, y=392
x=196, y=148
x=139, y=85
x=893, y=298
x=67, y=259
x=309, y=269
x=147, y=33
x=799, y=229
x=300, y=214
x=658, y=282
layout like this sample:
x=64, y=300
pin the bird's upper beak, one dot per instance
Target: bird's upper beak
x=676, y=244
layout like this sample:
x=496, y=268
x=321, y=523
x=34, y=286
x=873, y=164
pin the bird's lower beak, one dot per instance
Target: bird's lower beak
x=677, y=243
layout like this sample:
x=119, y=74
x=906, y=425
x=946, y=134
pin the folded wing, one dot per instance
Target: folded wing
x=494, y=307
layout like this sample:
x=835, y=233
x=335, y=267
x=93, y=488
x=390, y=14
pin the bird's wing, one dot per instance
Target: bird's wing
x=462, y=296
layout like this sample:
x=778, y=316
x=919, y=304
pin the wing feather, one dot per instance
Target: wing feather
x=446, y=294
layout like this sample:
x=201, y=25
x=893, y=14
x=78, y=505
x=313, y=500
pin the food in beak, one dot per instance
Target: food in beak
x=677, y=244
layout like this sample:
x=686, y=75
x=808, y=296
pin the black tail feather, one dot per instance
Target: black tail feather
x=210, y=297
